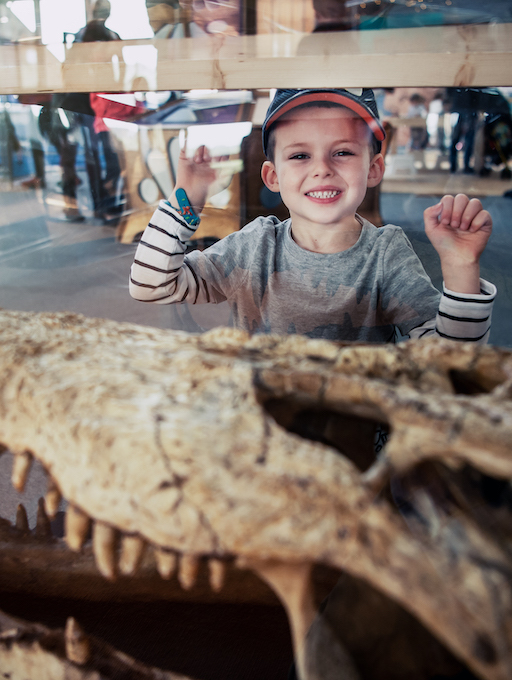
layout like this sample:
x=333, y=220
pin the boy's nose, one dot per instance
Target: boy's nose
x=322, y=168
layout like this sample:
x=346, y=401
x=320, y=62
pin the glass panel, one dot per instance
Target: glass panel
x=66, y=21
x=81, y=176
x=53, y=22
x=336, y=15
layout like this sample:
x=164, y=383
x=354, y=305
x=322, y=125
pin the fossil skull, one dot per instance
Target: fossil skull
x=192, y=444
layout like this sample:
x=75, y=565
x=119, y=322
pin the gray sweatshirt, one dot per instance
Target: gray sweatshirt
x=275, y=286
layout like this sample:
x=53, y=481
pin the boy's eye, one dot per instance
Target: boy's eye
x=343, y=152
x=299, y=156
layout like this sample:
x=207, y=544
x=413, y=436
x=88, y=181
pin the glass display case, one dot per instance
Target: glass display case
x=97, y=98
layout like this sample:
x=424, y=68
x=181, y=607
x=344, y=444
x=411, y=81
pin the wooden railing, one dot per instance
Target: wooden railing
x=472, y=55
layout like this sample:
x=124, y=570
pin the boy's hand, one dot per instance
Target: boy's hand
x=195, y=175
x=459, y=229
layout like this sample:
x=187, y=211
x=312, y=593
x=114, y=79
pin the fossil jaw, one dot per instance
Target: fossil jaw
x=112, y=411
x=35, y=651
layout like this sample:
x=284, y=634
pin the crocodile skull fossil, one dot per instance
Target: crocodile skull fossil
x=183, y=442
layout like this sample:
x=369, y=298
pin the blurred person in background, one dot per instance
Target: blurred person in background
x=38, y=181
x=100, y=14
x=439, y=106
x=417, y=109
x=95, y=133
x=463, y=129
x=9, y=142
x=59, y=127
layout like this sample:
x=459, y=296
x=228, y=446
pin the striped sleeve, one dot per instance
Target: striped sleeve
x=160, y=272
x=461, y=316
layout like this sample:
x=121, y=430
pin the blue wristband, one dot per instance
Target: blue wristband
x=184, y=208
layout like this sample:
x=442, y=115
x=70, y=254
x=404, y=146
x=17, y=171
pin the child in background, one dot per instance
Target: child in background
x=419, y=134
x=326, y=272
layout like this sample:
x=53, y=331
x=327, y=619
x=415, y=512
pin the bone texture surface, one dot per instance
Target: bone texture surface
x=228, y=447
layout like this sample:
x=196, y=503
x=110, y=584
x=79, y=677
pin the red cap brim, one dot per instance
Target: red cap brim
x=335, y=98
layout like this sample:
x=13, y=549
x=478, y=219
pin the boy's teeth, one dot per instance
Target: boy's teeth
x=323, y=194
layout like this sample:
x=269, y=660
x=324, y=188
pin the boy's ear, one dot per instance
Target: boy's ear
x=269, y=176
x=376, y=171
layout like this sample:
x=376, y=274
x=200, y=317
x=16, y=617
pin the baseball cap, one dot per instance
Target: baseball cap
x=359, y=100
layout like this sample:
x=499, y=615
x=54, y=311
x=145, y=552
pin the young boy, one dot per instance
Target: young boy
x=325, y=272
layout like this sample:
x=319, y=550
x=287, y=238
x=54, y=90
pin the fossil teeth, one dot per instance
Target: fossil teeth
x=165, y=563
x=9, y=634
x=378, y=474
x=43, y=526
x=22, y=519
x=292, y=584
x=217, y=572
x=20, y=469
x=52, y=499
x=76, y=527
x=78, y=646
x=104, y=539
x=132, y=550
x=187, y=575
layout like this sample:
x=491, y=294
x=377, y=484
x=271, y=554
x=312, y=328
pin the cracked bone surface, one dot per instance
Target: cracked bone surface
x=187, y=442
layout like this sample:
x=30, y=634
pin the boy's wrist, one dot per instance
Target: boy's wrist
x=452, y=258
x=461, y=278
x=180, y=202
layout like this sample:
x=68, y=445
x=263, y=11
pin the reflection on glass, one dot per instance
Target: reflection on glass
x=54, y=22
x=454, y=129
x=343, y=15
x=25, y=12
x=194, y=18
x=81, y=175
x=17, y=21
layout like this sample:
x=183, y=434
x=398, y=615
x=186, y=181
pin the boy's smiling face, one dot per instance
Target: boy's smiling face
x=323, y=164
